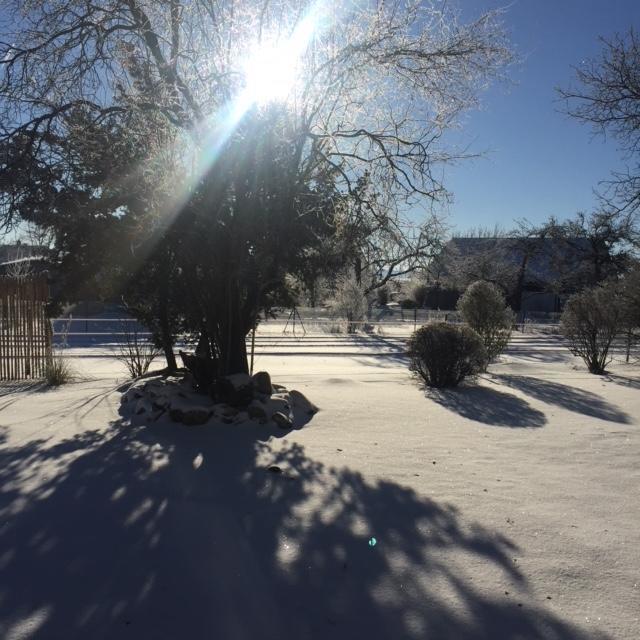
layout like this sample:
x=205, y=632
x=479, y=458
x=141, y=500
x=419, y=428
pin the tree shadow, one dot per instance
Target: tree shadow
x=490, y=406
x=561, y=395
x=167, y=532
x=625, y=381
x=11, y=387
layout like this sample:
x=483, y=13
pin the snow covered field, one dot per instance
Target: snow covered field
x=507, y=509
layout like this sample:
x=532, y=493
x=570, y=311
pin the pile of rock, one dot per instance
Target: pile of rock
x=237, y=398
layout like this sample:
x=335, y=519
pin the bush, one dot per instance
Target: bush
x=590, y=321
x=419, y=294
x=408, y=303
x=443, y=355
x=135, y=351
x=382, y=296
x=58, y=371
x=349, y=302
x=483, y=307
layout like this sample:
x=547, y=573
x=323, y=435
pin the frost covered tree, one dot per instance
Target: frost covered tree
x=272, y=113
x=607, y=97
x=484, y=308
x=590, y=321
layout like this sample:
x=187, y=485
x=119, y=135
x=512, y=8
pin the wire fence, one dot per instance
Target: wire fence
x=114, y=329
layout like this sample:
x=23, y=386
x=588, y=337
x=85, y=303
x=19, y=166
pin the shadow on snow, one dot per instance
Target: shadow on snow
x=168, y=532
x=562, y=395
x=489, y=406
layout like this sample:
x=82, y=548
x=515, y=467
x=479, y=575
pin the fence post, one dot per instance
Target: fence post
x=253, y=347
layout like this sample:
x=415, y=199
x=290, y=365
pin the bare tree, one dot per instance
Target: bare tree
x=589, y=249
x=607, y=97
x=374, y=87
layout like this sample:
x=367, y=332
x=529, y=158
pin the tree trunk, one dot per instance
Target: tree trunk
x=232, y=335
x=170, y=357
x=516, y=296
x=234, y=352
x=165, y=329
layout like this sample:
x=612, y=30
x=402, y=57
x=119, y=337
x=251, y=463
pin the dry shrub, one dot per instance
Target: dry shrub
x=590, y=321
x=58, y=370
x=443, y=355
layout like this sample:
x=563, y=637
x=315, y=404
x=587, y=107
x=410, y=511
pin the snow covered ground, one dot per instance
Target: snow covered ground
x=507, y=509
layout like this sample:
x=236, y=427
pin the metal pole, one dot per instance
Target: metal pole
x=253, y=347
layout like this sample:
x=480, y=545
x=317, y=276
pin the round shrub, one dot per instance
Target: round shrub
x=443, y=355
x=590, y=322
x=483, y=307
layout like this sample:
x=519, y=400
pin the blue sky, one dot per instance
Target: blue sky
x=540, y=162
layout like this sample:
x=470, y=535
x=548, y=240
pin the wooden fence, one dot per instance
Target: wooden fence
x=25, y=332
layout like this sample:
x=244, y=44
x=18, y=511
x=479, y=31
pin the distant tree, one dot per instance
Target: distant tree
x=589, y=249
x=483, y=307
x=607, y=97
x=629, y=288
x=379, y=246
x=350, y=302
x=499, y=256
x=419, y=293
x=382, y=296
x=477, y=255
x=590, y=321
x=630, y=293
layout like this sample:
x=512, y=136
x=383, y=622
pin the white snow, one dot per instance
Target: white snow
x=508, y=509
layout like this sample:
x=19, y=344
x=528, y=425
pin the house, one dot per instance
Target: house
x=535, y=274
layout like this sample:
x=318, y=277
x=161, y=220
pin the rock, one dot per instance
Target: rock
x=153, y=392
x=188, y=413
x=236, y=390
x=279, y=403
x=132, y=394
x=143, y=406
x=175, y=414
x=262, y=383
x=282, y=420
x=302, y=403
x=256, y=412
x=161, y=402
x=239, y=380
x=195, y=416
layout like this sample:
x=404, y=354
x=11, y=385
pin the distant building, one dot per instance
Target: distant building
x=532, y=272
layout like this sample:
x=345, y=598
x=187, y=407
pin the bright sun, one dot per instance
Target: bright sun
x=273, y=69
x=271, y=73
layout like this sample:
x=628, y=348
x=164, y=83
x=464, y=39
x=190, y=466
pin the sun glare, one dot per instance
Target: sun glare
x=271, y=74
x=273, y=69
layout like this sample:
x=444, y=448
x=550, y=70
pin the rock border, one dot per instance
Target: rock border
x=241, y=399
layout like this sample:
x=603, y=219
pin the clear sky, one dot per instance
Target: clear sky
x=540, y=162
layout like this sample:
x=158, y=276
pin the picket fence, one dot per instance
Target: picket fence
x=25, y=331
